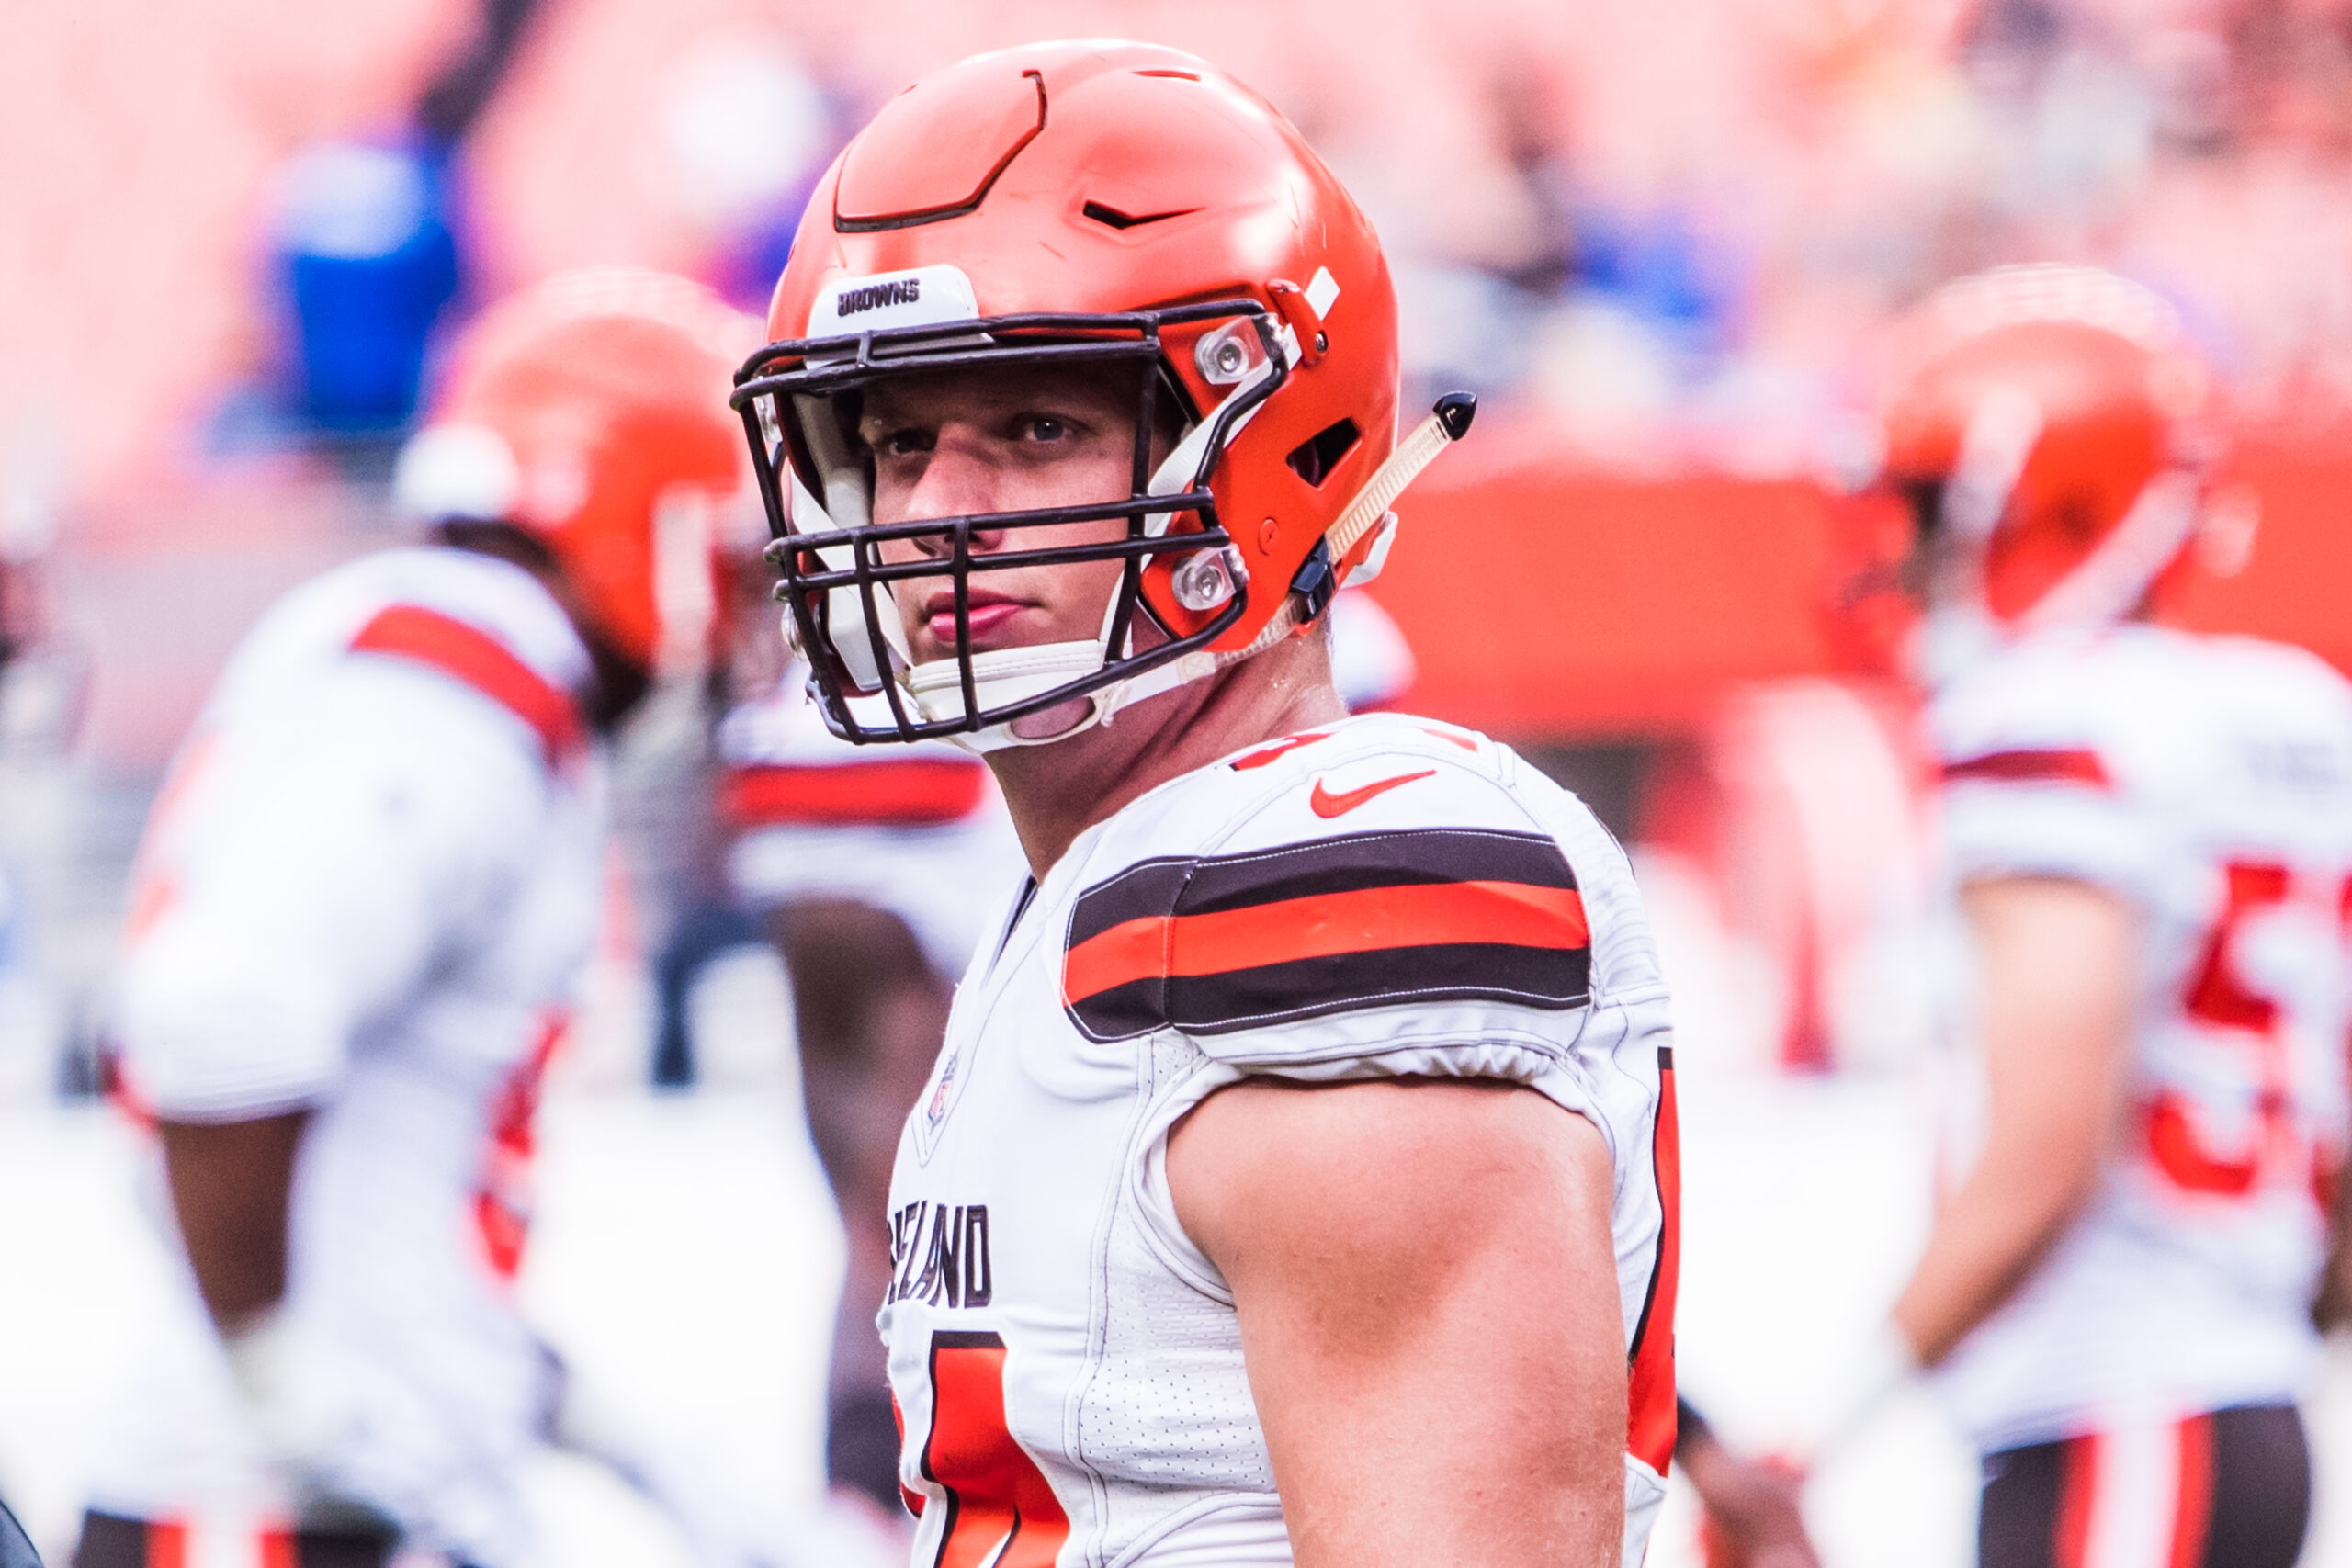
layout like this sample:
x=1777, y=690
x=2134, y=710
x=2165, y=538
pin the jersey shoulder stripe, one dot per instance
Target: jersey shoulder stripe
x=915, y=792
x=472, y=656
x=2073, y=765
x=1212, y=944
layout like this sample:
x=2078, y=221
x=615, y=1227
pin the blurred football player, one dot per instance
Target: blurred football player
x=1751, y=1508
x=1296, y=1181
x=363, y=901
x=872, y=875
x=2148, y=840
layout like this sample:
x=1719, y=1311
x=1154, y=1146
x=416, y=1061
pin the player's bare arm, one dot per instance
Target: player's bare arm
x=1428, y=1313
x=2055, y=962
x=2332, y=1306
x=232, y=1184
x=1753, y=1506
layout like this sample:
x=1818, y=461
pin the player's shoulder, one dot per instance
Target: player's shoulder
x=2093, y=707
x=456, y=641
x=1381, y=859
x=2277, y=673
x=2063, y=707
x=1374, y=773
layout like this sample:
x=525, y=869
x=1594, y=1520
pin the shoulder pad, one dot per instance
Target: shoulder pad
x=1448, y=891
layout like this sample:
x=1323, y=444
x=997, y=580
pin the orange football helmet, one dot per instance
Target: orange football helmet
x=1096, y=202
x=577, y=411
x=2050, y=442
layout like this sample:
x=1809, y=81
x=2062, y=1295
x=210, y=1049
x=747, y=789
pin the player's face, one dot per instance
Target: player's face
x=959, y=445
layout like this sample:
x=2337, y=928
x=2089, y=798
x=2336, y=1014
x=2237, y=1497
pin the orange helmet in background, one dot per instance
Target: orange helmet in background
x=1102, y=202
x=2051, y=439
x=584, y=411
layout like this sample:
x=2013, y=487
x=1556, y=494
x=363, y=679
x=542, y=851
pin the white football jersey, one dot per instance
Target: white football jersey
x=1382, y=896
x=918, y=831
x=368, y=889
x=2208, y=780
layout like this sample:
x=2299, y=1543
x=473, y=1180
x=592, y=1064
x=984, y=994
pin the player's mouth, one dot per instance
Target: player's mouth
x=988, y=612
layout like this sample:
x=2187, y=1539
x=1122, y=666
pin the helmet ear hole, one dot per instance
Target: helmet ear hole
x=1315, y=458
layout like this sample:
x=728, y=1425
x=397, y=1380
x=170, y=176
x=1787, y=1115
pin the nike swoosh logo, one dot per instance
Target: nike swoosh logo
x=1326, y=804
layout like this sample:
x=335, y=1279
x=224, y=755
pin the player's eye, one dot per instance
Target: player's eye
x=1044, y=427
x=903, y=443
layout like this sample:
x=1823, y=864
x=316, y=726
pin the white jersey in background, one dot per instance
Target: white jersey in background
x=1380, y=897
x=920, y=832
x=369, y=890
x=2208, y=782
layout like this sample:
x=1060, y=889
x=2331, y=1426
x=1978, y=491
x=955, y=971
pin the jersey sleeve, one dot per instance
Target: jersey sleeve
x=320, y=866
x=2033, y=780
x=1397, y=916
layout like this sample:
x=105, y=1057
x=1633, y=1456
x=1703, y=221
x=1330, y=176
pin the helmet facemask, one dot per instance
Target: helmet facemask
x=1182, y=583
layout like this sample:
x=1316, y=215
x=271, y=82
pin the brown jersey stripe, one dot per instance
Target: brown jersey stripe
x=1237, y=999
x=2070, y=765
x=1343, y=863
x=1367, y=920
x=1146, y=890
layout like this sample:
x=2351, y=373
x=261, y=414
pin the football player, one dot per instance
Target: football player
x=361, y=906
x=1296, y=1181
x=2147, y=839
x=873, y=876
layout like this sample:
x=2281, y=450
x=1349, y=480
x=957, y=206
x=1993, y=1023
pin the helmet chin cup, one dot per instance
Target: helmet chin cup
x=1000, y=678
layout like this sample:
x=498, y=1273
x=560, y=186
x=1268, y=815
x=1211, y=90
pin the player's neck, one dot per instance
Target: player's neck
x=1057, y=791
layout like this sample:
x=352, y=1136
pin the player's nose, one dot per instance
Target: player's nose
x=961, y=477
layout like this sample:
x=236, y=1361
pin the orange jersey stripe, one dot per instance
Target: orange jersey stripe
x=1509, y=914
x=903, y=794
x=473, y=656
x=1650, y=1415
x=2193, y=1512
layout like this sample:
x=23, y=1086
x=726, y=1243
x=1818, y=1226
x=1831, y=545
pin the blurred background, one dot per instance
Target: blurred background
x=1657, y=239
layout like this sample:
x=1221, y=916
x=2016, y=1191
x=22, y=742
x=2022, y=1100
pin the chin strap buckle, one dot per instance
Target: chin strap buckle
x=1315, y=583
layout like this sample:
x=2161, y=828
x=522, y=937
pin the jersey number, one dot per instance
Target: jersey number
x=1000, y=1512
x=2234, y=1011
